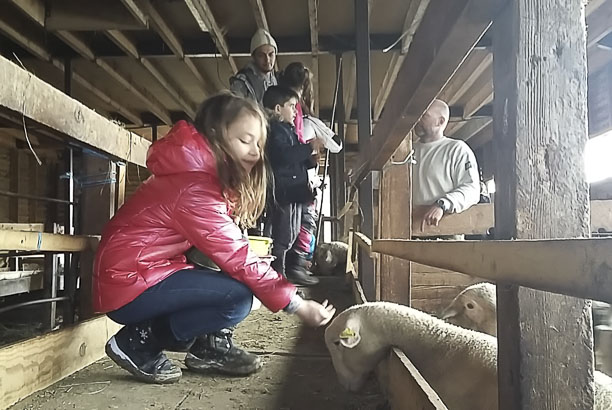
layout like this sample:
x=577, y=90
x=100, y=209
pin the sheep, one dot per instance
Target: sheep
x=475, y=308
x=330, y=258
x=472, y=309
x=459, y=364
x=361, y=336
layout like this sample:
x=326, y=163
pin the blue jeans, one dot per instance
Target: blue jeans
x=193, y=302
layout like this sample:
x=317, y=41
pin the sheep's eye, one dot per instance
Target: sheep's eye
x=337, y=342
x=470, y=306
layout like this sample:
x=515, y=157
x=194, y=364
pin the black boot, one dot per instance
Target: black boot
x=216, y=353
x=297, y=272
x=137, y=350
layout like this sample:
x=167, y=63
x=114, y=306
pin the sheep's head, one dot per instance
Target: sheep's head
x=474, y=308
x=355, y=350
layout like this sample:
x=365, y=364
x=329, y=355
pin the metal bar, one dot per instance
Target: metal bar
x=340, y=187
x=35, y=198
x=33, y=302
x=70, y=278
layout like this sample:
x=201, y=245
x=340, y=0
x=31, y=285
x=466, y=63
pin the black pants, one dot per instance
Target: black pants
x=286, y=221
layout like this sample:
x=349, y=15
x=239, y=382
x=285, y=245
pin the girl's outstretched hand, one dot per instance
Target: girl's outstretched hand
x=315, y=314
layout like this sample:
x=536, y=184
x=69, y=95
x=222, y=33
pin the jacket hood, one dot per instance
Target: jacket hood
x=182, y=150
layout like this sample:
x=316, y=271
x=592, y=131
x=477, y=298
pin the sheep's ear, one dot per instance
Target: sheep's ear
x=448, y=313
x=349, y=338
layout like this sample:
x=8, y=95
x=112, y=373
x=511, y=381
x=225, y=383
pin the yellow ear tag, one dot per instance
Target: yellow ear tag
x=347, y=333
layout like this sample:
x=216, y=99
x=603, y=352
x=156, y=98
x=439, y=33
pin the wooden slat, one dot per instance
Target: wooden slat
x=35, y=364
x=40, y=241
x=467, y=74
x=136, y=11
x=23, y=284
x=575, y=267
x=77, y=43
x=446, y=35
x=27, y=95
x=260, y=14
x=350, y=85
x=28, y=227
x=34, y=9
x=479, y=218
x=203, y=14
x=471, y=128
x=364, y=243
x=38, y=49
x=407, y=388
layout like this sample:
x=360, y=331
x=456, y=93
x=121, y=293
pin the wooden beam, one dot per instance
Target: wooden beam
x=130, y=48
x=364, y=243
x=545, y=358
x=172, y=40
x=45, y=242
x=203, y=14
x=39, y=50
x=35, y=364
x=481, y=137
x=576, y=267
x=390, y=75
x=136, y=11
x=446, y=35
x=471, y=127
x=313, y=21
x=414, y=16
x=406, y=386
x=70, y=15
x=598, y=24
x=481, y=93
x=395, y=199
x=34, y=9
x=478, y=219
x=466, y=75
x=593, y=5
x=143, y=94
x=351, y=85
x=66, y=115
x=260, y=14
x=598, y=58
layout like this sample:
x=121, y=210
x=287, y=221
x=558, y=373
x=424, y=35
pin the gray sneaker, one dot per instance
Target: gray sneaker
x=216, y=353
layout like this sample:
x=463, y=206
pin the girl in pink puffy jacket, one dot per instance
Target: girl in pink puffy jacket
x=205, y=176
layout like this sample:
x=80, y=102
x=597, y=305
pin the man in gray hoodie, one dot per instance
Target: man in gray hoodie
x=253, y=80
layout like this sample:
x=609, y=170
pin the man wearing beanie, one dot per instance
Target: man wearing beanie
x=253, y=80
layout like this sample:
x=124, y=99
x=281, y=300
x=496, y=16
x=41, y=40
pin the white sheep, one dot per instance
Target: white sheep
x=459, y=364
x=361, y=336
x=472, y=309
x=330, y=258
x=475, y=308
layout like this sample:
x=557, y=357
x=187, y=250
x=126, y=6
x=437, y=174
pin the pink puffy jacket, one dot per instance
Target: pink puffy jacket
x=180, y=206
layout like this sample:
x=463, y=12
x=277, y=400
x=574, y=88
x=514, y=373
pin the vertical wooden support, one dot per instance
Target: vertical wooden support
x=540, y=131
x=364, y=118
x=340, y=187
x=50, y=285
x=33, y=188
x=121, y=180
x=154, y=133
x=14, y=185
x=395, y=223
x=95, y=212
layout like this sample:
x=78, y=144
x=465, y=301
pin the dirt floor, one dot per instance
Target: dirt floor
x=297, y=374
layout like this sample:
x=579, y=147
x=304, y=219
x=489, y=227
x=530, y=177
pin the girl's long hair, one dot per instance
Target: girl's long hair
x=245, y=191
x=298, y=77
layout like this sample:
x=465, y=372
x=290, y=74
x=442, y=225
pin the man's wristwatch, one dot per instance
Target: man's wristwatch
x=444, y=205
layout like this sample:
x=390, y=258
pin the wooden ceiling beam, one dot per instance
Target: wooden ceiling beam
x=173, y=41
x=447, y=34
x=260, y=14
x=148, y=98
x=468, y=73
x=71, y=15
x=313, y=22
x=481, y=137
x=136, y=12
x=599, y=24
x=206, y=20
x=130, y=48
x=39, y=51
x=414, y=16
x=33, y=9
x=471, y=127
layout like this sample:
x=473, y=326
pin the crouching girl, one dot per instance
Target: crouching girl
x=206, y=176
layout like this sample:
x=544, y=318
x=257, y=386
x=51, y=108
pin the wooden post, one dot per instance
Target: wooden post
x=340, y=187
x=97, y=206
x=364, y=117
x=540, y=131
x=395, y=223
